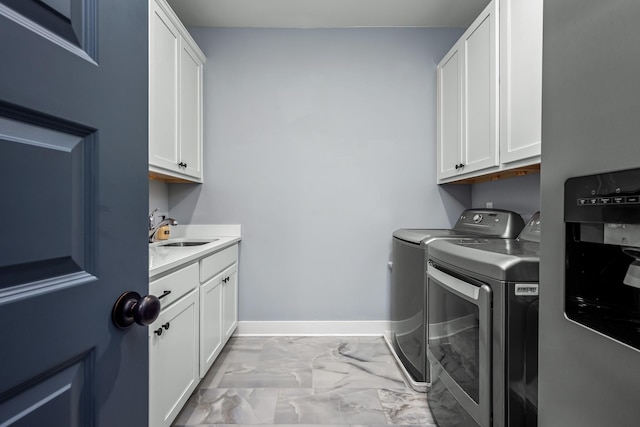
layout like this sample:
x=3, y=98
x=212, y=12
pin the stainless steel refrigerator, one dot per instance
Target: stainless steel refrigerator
x=589, y=373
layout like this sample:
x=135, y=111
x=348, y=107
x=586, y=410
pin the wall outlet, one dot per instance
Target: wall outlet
x=489, y=205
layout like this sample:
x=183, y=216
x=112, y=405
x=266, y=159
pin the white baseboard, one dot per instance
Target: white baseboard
x=312, y=328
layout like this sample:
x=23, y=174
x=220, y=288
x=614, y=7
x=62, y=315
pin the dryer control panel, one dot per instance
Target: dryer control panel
x=490, y=222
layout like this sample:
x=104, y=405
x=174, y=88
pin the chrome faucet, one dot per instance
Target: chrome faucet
x=153, y=228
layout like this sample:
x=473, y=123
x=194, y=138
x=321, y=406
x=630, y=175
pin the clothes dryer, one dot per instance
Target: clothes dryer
x=483, y=330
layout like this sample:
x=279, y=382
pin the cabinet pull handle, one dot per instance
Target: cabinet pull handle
x=158, y=331
x=166, y=326
x=164, y=294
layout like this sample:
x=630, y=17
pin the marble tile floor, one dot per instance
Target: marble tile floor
x=305, y=381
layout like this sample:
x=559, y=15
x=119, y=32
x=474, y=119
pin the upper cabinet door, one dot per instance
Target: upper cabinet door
x=190, y=111
x=480, y=91
x=449, y=113
x=520, y=79
x=164, y=52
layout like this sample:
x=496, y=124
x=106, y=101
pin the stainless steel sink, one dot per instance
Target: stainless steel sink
x=187, y=243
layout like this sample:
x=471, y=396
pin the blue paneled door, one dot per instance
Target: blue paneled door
x=73, y=206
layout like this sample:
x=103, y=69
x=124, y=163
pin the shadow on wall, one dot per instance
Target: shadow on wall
x=519, y=194
x=455, y=198
x=183, y=202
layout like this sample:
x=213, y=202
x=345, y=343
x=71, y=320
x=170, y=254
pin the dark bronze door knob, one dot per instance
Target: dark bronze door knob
x=131, y=307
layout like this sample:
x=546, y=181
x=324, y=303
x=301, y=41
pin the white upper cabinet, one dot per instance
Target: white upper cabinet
x=190, y=111
x=467, y=100
x=450, y=113
x=175, y=98
x=164, y=51
x=480, y=93
x=489, y=96
x=520, y=80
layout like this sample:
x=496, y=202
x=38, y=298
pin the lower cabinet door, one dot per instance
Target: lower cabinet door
x=230, y=301
x=173, y=359
x=210, y=322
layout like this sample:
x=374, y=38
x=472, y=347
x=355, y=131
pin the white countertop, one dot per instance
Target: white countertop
x=162, y=258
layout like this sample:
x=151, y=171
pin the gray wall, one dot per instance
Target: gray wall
x=519, y=194
x=320, y=143
x=158, y=196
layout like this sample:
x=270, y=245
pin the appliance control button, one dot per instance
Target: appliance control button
x=633, y=199
x=618, y=200
x=593, y=201
x=605, y=200
x=477, y=218
x=582, y=202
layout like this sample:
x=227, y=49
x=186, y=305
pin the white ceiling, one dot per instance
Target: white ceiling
x=327, y=13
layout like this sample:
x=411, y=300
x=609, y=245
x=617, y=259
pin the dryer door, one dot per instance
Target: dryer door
x=459, y=347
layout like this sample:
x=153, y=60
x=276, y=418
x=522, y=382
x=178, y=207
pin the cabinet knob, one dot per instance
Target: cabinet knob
x=158, y=331
x=166, y=326
x=131, y=308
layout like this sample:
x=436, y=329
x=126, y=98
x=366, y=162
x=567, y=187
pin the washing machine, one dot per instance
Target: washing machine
x=408, y=336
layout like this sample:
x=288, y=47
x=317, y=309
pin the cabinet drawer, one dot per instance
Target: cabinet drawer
x=214, y=264
x=177, y=283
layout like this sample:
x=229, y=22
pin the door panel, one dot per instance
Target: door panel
x=59, y=165
x=230, y=301
x=480, y=91
x=59, y=395
x=69, y=23
x=163, y=95
x=174, y=359
x=73, y=138
x=449, y=111
x=190, y=111
x=210, y=322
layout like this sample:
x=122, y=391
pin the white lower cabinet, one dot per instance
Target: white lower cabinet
x=230, y=300
x=199, y=315
x=210, y=322
x=173, y=359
